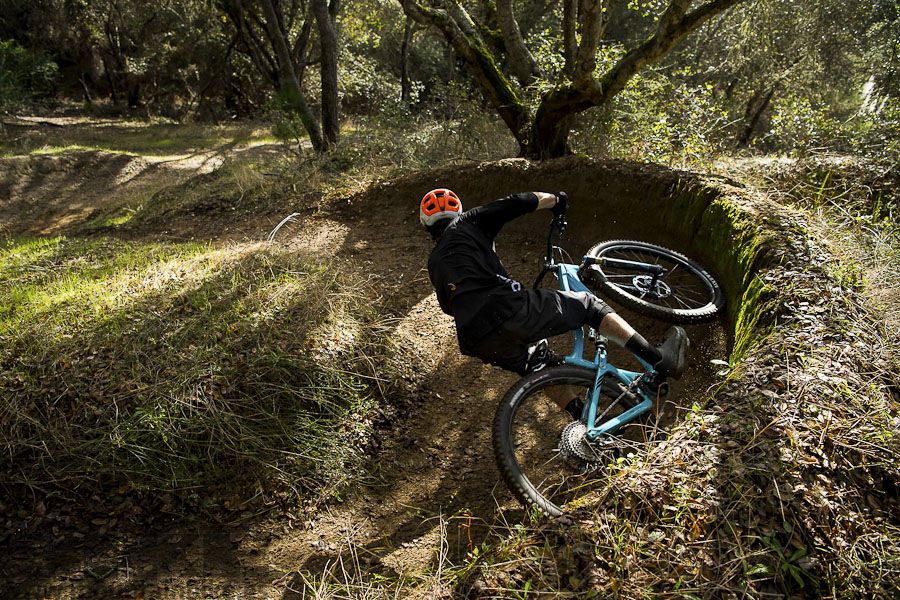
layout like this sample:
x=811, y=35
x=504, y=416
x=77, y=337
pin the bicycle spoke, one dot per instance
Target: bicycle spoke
x=684, y=304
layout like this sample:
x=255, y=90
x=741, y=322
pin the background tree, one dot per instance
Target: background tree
x=503, y=67
x=764, y=53
x=165, y=55
x=276, y=36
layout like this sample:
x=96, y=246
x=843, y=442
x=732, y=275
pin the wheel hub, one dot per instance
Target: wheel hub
x=646, y=285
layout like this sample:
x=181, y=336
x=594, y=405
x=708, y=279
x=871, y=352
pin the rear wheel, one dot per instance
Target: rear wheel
x=686, y=293
x=542, y=455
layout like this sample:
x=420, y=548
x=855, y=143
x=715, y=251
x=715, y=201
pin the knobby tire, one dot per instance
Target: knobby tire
x=541, y=425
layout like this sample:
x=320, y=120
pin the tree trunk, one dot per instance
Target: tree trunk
x=288, y=85
x=754, y=115
x=405, y=83
x=520, y=59
x=134, y=93
x=87, y=92
x=331, y=126
x=551, y=140
x=552, y=122
x=570, y=39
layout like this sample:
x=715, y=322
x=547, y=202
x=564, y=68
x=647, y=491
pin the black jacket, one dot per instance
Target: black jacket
x=470, y=281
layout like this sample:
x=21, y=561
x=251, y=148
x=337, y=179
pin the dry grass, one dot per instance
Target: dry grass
x=155, y=138
x=182, y=366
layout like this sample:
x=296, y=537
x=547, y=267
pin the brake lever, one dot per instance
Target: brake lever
x=560, y=223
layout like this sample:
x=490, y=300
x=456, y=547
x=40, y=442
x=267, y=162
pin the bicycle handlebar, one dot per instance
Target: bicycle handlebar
x=558, y=224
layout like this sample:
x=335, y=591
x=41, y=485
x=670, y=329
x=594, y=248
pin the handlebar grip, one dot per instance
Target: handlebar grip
x=562, y=204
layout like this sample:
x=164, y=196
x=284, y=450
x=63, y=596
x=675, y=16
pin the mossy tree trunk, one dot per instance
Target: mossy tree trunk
x=461, y=33
x=544, y=133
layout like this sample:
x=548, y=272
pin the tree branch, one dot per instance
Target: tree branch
x=673, y=26
x=298, y=50
x=260, y=58
x=459, y=29
x=329, y=74
x=520, y=58
x=278, y=39
x=570, y=39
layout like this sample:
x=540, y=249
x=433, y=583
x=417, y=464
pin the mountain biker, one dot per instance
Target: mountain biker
x=503, y=322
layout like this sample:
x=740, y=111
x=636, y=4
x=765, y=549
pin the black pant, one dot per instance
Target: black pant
x=546, y=313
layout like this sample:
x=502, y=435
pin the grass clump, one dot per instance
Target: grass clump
x=134, y=137
x=169, y=366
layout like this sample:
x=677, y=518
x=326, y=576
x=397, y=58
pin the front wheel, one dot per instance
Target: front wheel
x=542, y=455
x=685, y=293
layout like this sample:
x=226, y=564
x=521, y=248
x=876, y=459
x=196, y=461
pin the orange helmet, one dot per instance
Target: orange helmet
x=439, y=204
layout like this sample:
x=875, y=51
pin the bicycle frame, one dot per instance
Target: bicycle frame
x=567, y=275
x=569, y=281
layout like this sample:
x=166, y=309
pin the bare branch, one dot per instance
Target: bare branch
x=520, y=58
x=255, y=49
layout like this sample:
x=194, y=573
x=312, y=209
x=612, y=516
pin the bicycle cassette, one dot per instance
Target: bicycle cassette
x=581, y=454
x=575, y=449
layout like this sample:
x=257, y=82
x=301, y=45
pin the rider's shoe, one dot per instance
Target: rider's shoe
x=539, y=356
x=674, y=352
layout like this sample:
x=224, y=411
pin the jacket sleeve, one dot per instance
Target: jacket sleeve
x=491, y=218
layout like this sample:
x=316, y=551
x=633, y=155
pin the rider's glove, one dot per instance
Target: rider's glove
x=562, y=203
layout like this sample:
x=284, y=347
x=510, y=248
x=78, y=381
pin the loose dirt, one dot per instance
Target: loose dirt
x=434, y=493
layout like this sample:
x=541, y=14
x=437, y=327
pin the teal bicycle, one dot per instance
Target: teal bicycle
x=547, y=459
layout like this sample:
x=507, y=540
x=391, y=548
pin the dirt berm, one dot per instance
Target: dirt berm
x=778, y=474
x=784, y=479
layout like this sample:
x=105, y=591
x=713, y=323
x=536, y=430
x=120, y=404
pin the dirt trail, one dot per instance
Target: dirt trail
x=436, y=491
x=437, y=468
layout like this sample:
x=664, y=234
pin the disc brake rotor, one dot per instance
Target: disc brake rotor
x=644, y=283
